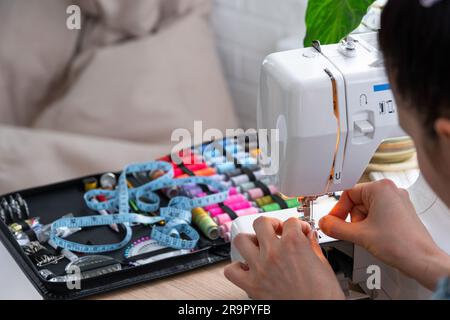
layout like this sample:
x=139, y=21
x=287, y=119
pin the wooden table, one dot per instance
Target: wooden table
x=207, y=283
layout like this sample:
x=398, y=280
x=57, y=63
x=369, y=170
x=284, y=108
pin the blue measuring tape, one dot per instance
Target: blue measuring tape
x=177, y=214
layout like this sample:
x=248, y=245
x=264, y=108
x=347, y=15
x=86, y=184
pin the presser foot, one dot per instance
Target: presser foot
x=310, y=221
x=306, y=209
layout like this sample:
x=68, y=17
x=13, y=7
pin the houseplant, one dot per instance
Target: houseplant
x=331, y=20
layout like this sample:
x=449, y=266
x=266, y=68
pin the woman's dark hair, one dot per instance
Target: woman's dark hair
x=415, y=41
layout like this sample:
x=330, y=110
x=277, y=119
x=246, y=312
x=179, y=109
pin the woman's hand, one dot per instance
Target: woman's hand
x=283, y=261
x=384, y=221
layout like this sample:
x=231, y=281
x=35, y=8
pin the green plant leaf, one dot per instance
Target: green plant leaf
x=331, y=20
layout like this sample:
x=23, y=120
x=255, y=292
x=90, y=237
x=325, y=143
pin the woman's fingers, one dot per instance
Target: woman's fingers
x=295, y=227
x=339, y=229
x=247, y=245
x=238, y=274
x=266, y=230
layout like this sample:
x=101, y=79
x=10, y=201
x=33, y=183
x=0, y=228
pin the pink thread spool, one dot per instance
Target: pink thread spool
x=231, y=199
x=234, y=206
x=227, y=237
x=233, y=191
x=259, y=193
x=226, y=227
x=225, y=218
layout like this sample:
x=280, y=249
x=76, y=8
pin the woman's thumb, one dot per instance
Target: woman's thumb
x=337, y=228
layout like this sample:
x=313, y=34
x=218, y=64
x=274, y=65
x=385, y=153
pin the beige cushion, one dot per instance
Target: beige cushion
x=174, y=9
x=110, y=21
x=134, y=18
x=35, y=48
x=143, y=90
x=30, y=158
x=139, y=17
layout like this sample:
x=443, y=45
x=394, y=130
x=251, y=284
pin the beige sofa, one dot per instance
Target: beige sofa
x=79, y=102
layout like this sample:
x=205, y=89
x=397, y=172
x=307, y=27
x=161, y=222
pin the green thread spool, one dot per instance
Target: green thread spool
x=291, y=203
x=264, y=201
x=205, y=223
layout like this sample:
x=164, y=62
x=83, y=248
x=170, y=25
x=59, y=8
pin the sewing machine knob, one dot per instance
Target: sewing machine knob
x=347, y=47
x=364, y=127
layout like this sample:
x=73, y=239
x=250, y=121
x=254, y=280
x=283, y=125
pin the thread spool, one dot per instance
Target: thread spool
x=225, y=167
x=225, y=158
x=245, y=178
x=291, y=203
x=269, y=180
x=227, y=237
x=235, y=198
x=215, y=161
x=90, y=184
x=225, y=218
x=169, y=192
x=227, y=184
x=187, y=159
x=264, y=201
x=201, y=173
x=246, y=186
x=258, y=193
x=214, y=152
x=205, y=223
x=233, y=173
x=219, y=177
x=192, y=167
x=231, y=192
x=229, y=201
x=224, y=228
x=199, y=192
x=238, y=172
x=234, y=206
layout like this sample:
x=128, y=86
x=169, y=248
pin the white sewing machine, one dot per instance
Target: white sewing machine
x=333, y=106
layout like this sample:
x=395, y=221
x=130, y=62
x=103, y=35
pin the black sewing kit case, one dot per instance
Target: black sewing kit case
x=53, y=201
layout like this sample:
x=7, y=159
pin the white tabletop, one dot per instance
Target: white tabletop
x=13, y=282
